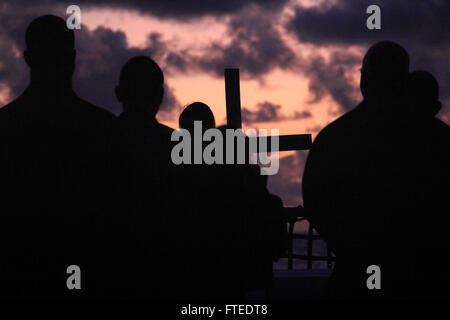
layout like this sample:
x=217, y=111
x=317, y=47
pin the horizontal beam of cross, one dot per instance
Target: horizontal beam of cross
x=287, y=142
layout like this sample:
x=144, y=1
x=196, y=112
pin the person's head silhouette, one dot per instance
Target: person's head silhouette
x=141, y=86
x=197, y=111
x=384, y=71
x=50, y=50
x=423, y=92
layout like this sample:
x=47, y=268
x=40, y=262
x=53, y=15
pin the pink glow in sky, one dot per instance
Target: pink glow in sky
x=287, y=88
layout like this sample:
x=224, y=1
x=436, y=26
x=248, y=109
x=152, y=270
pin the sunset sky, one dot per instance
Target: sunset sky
x=299, y=59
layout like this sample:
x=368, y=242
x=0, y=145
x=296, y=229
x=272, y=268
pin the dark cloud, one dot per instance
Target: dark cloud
x=252, y=43
x=422, y=27
x=345, y=22
x=191, y=8
x=256, y=46
x=332, y=76
x=177, y=61
x=101, y=55
x=170, y=8
x=269, y=112
x=265, y=111
x=302, y=115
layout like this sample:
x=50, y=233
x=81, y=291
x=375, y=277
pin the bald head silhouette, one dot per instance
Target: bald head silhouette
x=197, y=111
x=423, y=91
x=50, y=50
x=141, y=86
x=384, y=71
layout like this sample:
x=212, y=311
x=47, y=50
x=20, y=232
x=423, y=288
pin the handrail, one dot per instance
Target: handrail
x=294, y=215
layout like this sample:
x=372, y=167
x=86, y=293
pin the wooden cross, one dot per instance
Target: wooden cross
x=286, y=143
x=233, y=101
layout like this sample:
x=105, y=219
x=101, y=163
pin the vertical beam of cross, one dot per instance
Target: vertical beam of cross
x=233, y=98
x=286, y=143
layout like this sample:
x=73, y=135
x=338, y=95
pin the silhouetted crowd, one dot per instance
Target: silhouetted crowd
x=82, y=187
x=376, y=184
x=79, y=186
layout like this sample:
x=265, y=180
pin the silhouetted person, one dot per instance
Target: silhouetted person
x=207, y=258
x=234, y=222
x=141, y=92
x=54, y=148
x=254, y=228
x=210, y=260
x=197, y=111
x=423, y=95
x=431, y=154
x=358, y=185
x=145, y=182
